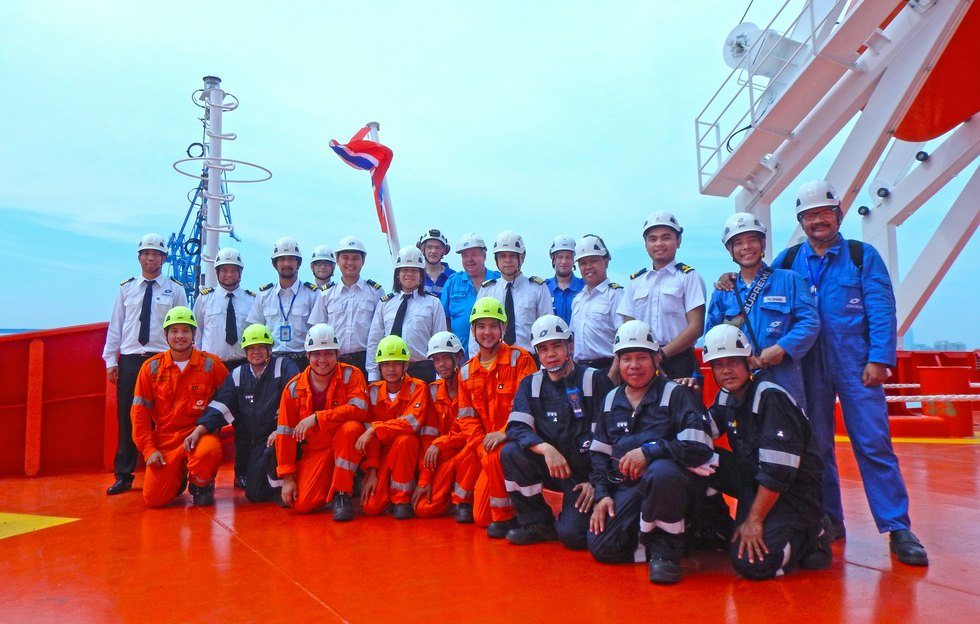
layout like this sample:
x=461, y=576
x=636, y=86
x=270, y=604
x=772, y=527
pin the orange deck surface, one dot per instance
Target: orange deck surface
x=239, y=562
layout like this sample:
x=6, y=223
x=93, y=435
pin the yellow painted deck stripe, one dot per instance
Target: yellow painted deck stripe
x=973, y=440
x=16, y=524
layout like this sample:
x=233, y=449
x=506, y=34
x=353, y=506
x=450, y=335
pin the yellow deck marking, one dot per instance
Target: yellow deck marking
x=15, y=524
x=973, y=440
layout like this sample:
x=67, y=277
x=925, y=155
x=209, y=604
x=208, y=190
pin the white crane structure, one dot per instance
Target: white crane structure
x=800, y=81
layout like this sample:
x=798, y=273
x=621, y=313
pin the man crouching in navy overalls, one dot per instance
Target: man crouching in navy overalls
x=651, y=451
x=549, y=432
x=772, y=470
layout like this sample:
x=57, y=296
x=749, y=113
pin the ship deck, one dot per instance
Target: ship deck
x=109, y=559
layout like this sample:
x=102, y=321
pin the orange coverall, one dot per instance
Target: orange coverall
x=345, y=408
x=485, y=397
x=394, y=449
x=455, y=474
x=166, y=405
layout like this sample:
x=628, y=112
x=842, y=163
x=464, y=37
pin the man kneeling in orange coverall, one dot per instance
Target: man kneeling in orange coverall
x=172, y=390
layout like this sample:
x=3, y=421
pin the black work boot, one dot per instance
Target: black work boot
x=816, y=551
x=908, y=548
x=203, y=494
x=402, y=511
x=240, y=482
x=665, y=551
x=122, y=484
x=343, y=510
x=664, y=571
x=533, y=533
x=463, y=513
x=498, y=529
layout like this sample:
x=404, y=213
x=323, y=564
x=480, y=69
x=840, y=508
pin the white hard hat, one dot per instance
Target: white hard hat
x=635, y=335
x=286, y=246
x=350, y=243
x=321, y=337
x=816, y=194
x=434, y=234
x=228, y=255
x=724, y=341
x=509, y=240
x=444, y=342
x=153, y=242
x=590, y=245
x=662, y=218
x=409, y=258
x=322, y=253
x=549, y=327
x=741, y=222
x=562, y=242
x=471, y=241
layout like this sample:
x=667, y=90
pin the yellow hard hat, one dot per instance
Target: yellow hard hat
x=488, y=307
x=256, y=334
x=178, y=315
x=392, y=349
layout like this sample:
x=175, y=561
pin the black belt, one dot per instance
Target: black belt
x=354, y=355
x=292, y=355
x=144, y=354
x=605, y=362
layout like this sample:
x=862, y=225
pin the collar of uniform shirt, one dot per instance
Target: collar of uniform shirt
x=293, y=289
x=360, y=284
x=601, y=287
x=670, y=268
x=520, y=279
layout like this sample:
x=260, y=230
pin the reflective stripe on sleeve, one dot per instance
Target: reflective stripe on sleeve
x=358, y=402
x=410, y=419
x=429, y=431
x=221, y=407
x=601, y=447
x=147, y=403
x=284, y=430
x=779, y=457
x=694, y=435
x=522, y=417
x=466, y=412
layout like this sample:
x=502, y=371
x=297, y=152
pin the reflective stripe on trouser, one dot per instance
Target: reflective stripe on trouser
x=865, y=415
x=785, y=533
x=260, y=463
x=314, y=470
x=526, y=472
x=396, y=474
x=454, y=479
x=345, y=457
x=161, y=483
x=491, y=502
x=618, y=542
x=668, y=491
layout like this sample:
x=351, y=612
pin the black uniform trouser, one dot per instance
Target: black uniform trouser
x=649, y=513
x=261, y=480
x=423, y=369
x=127, y=454
x=357, y=358
x=241, y=436
x=681, y=365
x=302, y=361
x=526, y=473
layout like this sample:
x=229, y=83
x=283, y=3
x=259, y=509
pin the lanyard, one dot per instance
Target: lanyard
x=760, y=282
x=815, y=279
x=285, y=314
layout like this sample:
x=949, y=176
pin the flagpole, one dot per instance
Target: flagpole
x=393, y=245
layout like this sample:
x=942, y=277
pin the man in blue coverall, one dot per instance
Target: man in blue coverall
x=549, y=432
x=773, y=307
x=459, y=292
x=564, y=284
x=850, y=360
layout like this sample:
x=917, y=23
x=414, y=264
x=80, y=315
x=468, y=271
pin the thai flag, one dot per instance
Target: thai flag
x=367, y=155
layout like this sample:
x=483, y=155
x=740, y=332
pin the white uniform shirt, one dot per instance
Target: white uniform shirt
x=123, y=335
x=663, y=298
x=595, y=320
x=211, y=311
x=349, y=310
x=275, y=307
x=532, y=300
x=424, y=317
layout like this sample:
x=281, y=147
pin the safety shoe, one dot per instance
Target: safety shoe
x=402, y=511
x=908, y=548
x=498, y=529
x=835, y=529
x=463, y=513
x=532, y=534
x=816, y=552
x=122, y=484
x=203, y=494
x=240, y=482
x=343, y=510
x=663, y=571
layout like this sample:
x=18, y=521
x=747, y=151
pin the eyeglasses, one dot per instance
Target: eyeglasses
x=814, y=215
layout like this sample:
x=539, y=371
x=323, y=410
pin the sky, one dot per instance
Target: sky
x=546, y=118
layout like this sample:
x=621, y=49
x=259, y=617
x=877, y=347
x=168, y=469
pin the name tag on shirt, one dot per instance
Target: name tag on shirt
x=774, y=299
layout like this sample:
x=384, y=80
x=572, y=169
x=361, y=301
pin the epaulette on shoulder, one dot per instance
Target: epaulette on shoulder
x=638, y=273
x=388, y=297
x=373, y=284
x=433, y=294
x=615, y=286
x=327, y=286
x=249, y=292
x=177, y=281
x=683, y=268
x=126, y=281
x=535, y=279
x=206, y=290
x=266, y=287
x=489, y=282
x=311, y=286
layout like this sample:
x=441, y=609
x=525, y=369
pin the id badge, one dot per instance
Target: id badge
x=285, y=333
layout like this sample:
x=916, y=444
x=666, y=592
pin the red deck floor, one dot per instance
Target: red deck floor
x=238, y=562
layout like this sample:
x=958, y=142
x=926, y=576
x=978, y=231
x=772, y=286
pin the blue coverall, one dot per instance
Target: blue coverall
x=858, y=325
x=561, y=298
x=784, y=313
x=458, y=297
